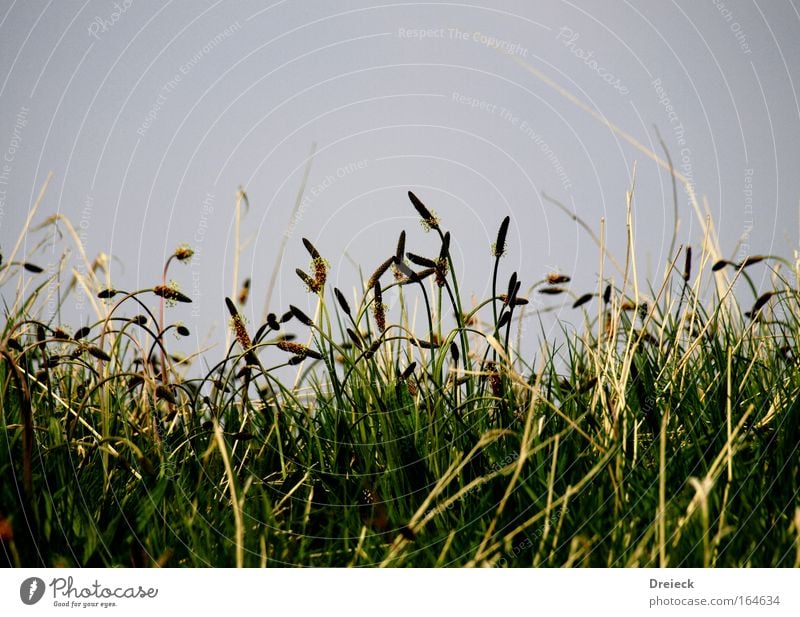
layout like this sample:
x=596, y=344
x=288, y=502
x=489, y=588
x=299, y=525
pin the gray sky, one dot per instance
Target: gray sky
x=151, y=115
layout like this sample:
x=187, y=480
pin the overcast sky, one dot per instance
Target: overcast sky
x=151, y=115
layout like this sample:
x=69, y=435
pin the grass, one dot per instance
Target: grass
x=664, y=432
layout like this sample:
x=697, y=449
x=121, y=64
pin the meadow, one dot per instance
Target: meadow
x=412, y=430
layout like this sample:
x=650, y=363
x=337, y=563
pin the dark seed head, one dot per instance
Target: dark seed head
x=408, y=371
x=557, y=279
x=719, y=265
x=107, y=293
x=168, y=293
x=165, y=393
x=379, y=309
x=418, y=260
x=380, y=272
x=500, y=243
x=355, y=338
x=139, y=320
x=244, y=292
x=183, y=330
x=310, y=283
x=260, y=333
x=582, y=300
x=32, y=268
x=311, y=249
x=231, y=307
x=762, y=300
x=341, y=300
x=401, y=246
x=428, y=219
x=754, y=259
x=298, y=350
x=272, y=321
x=98, y=353
x=300, y=316
x=372, y=349
x=512, y=285
x=411, y=276
x=445, y=250
x=82, y=332
x=687, y=266
x=607, y=294
x=454, y=352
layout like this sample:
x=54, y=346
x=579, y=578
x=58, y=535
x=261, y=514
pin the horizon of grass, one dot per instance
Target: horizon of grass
x=664, y=433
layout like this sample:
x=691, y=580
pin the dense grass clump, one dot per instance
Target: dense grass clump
x=412, y=430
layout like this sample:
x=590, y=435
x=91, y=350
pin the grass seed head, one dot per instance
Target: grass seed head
x=342, y=300
x=499, y=248
x=555, y=278
x=184, y=253
x=429, y=220
x=687, y=265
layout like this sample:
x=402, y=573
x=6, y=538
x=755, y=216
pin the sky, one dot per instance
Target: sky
x=151, y=116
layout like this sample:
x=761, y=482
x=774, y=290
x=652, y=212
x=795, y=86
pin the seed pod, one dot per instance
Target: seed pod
x=272, y=321
x=719, y=265
x=183, y=330
x=607, y=294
